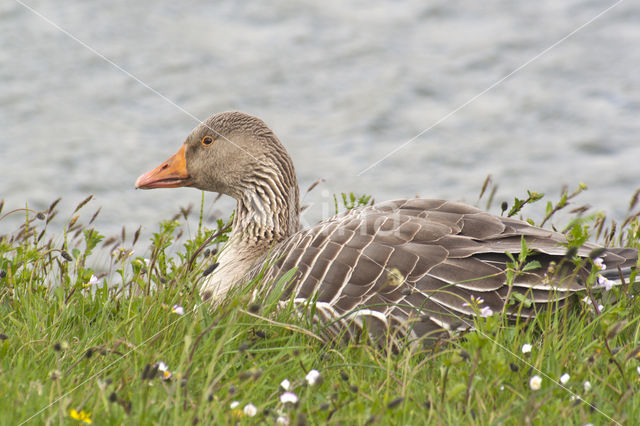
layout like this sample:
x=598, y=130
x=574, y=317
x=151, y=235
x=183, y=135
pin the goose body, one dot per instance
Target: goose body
x=412, y=268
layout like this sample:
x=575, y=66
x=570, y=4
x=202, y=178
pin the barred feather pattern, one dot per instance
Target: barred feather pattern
x=419, y=267
x=413, y=268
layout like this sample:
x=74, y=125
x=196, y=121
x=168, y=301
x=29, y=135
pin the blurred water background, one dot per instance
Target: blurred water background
x=342, y=83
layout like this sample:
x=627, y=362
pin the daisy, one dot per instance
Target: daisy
x=313, y=377
x=289, y=398
x=285, y=384
x=166, y=373
x=250, y=410
x=535, y=382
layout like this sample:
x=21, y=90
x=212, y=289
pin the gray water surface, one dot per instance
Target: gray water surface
x=342, y=83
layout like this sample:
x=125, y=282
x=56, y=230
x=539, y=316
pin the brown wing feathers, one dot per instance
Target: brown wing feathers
x=416, y=264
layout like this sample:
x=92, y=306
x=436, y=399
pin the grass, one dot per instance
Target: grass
x=76, y=349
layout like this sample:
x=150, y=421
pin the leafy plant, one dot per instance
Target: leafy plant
x=93, y=328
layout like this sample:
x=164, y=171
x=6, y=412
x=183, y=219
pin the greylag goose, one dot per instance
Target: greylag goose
x=413, y=268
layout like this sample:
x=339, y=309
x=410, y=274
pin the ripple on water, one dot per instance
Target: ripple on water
x=342, y=84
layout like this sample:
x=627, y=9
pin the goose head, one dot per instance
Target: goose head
x=236, y=154
x=218, y=155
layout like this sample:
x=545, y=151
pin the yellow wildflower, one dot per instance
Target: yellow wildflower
x=80, y=416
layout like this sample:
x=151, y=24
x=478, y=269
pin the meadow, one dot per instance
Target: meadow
x=130, y=341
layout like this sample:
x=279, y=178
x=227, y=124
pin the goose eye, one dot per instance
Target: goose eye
x=207, y=140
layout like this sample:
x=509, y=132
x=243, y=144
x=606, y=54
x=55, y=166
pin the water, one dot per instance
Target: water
x=341, y=83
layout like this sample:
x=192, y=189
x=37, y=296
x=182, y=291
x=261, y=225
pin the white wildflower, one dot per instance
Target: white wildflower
x=177, y=309
x=638, y=370
x=474, y=301
x=598, y=261
x=282, y=420
x=313, y=377
x=587, y=386
x=289, y=398
x=285, y=384
x=587, y=300
x=564, y=379
x=526, y=348
x=166, y=373
x=486, y=312
x=234, y=404
x=119, y=251
x=600, y=308
x=535, y=382
x=92, y=281
x=606, y=283
x=250, y=410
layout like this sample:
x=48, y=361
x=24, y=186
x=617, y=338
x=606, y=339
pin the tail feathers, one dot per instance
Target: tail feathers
x=619, y=266
x=619, y=276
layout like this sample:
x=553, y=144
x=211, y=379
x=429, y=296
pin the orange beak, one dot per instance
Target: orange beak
x=170, y=174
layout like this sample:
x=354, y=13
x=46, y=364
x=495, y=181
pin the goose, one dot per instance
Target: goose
x=413, y=268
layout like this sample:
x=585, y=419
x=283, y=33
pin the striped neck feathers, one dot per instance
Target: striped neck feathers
x=267, y=209
x=267, y=212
